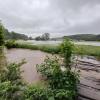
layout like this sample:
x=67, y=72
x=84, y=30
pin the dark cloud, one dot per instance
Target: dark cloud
x=59, y=17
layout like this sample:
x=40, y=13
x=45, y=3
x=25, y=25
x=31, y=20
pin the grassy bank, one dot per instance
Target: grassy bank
x=79, y=49
x=88, y=50
x=45, y=48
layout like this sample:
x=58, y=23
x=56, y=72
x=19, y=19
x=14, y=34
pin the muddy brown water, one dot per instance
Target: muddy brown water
x=32, y=58
x=89, y=88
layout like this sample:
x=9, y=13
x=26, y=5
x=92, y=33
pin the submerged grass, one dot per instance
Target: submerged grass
x=55, y=49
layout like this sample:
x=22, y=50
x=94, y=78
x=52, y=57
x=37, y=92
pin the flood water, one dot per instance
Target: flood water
x=32, y=58
x=93, y=43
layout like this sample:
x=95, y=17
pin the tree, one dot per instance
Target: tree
x=30, y=38
x=38, y=38
x=44, y=37
x=1, y=35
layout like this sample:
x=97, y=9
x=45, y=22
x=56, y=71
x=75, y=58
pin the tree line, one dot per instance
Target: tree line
x=43, y=37
x=14, y=35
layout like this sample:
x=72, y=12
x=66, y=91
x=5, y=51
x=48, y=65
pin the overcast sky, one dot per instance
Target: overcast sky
x=58, y=17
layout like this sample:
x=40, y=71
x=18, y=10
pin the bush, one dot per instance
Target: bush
x=67, y=48
x=1, y=35
x=11, y=44
x=12, y=73
x=9, y=91
x=62, y=82
x=11, y=84
x=38, y=93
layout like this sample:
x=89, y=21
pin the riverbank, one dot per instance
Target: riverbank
x=79, y=49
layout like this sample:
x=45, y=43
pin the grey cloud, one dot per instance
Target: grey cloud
x=59, y=17
x=93, y=27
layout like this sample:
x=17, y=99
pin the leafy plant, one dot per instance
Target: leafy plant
x=67, y=48
x=9, y=91
x=63, y=83
x=11, y=84
x=1, y=35
x=12, y=73
x=58, y=80
x=38, y=93
x=11, y=44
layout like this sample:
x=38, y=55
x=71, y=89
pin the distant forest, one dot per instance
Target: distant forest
x=14, y=35
x=85, y=37
x=79, y=37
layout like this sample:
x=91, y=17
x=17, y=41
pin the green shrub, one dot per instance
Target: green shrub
x=1, y=35
x=62, y=94
x=9, y=91
x=58, y=80
x=12, y=73
x=11, y=84
x=63, y=83
x=38, y=93
x=11, y=44
x=67, y=48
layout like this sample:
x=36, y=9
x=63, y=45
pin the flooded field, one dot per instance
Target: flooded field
x=89, y=87
x=93, y=43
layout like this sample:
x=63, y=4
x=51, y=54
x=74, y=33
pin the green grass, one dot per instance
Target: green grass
x=88, y=50
x=79, y=49
x=45, y=48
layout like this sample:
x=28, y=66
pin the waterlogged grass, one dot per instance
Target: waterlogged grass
x=79, y=49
